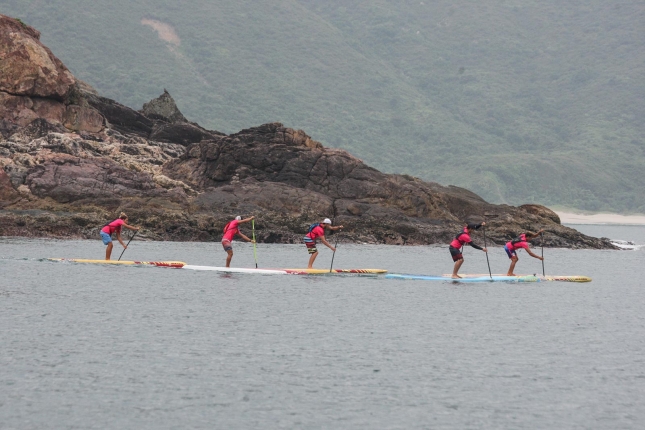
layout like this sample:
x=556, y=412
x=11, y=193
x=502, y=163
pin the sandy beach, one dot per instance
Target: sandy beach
x=608, y=218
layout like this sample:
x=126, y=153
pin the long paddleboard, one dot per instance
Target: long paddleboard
x=333, y=271
x=285, y=271
x=236, y=270
x=527, y=278
x=562, y=278
x=174, y=264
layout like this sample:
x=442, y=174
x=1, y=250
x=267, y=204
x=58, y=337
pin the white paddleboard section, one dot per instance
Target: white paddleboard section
x=236, y=270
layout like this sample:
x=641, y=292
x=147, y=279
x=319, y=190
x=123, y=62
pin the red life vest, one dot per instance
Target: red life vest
x=457, y=241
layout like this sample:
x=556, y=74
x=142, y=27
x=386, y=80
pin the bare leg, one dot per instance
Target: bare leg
x=312, y=259
x=108, y=250
x=229, y=258
x=512, y=268
x=458, y=264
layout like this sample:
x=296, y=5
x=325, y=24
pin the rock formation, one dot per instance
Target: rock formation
x=164, y=108
x=70, y=160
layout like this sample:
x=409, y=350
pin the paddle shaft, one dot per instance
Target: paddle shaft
x=255, y=254
x=333, y=255
x=126, y=245
x=487, y=261
x=542, y=243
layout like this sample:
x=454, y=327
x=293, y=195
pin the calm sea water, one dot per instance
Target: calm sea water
x=86, y=346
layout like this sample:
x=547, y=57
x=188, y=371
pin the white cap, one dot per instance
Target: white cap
x=238, y=218
x=327, y=221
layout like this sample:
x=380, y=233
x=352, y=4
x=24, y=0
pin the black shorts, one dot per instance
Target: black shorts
x=456, y=253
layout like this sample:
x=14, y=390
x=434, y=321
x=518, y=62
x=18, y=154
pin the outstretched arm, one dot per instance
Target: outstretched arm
x=130, y=227
x=533, y=255
x=323, y=240
x=533, y=236
x=246, y=220
x=246, y=238
x=474, y=245
x=118, y=237
x=338, y=227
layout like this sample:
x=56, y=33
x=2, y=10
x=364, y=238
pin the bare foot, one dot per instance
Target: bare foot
x=511, y=274
x=456, y=277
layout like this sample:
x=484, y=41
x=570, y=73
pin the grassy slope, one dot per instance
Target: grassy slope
x=517, y=100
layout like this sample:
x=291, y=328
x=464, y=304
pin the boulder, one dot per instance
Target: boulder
x=83, y=118
x=541, y=211
x=163, y=108
x=182, y=133
x=66, y=179
x=7, y=191
x=120, y=117
x=27, y=67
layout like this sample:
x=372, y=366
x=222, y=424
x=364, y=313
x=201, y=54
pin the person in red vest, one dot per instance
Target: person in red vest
x=317, y=231
x=520, y=241
x=115, y=227
x=461, y=239
x=230, y=230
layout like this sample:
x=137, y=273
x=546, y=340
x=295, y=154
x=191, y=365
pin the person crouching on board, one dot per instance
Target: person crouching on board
x=317, y=231
x=458, y=242
x=230, y=230
x=520, y=241
x=115, y=227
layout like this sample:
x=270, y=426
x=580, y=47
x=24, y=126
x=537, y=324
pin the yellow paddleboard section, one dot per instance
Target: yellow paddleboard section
x=563, y=278
x=326, y=271
x=175, y=264
x=573, y=278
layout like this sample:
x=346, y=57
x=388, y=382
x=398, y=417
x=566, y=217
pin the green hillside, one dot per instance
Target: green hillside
x=520, y=101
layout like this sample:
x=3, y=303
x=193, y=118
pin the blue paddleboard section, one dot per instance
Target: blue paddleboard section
x=480, y=279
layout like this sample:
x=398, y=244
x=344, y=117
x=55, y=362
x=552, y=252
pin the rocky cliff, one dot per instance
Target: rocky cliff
x=70, y=160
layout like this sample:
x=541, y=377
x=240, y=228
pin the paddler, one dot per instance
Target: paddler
x=317, y=231
x=520, y=241
x=230, y=230
x=115, y=227
x=461, y=239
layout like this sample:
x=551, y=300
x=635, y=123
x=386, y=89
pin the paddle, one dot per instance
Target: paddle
x=126, y=245
x=332, y=256
x=486, y=216
x=489, y=272
x=255, y=254
x=542, y=243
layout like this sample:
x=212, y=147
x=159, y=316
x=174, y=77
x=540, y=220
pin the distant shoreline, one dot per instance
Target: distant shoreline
x=607, y=218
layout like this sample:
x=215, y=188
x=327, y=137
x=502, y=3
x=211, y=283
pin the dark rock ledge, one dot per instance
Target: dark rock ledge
x=70, y=160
